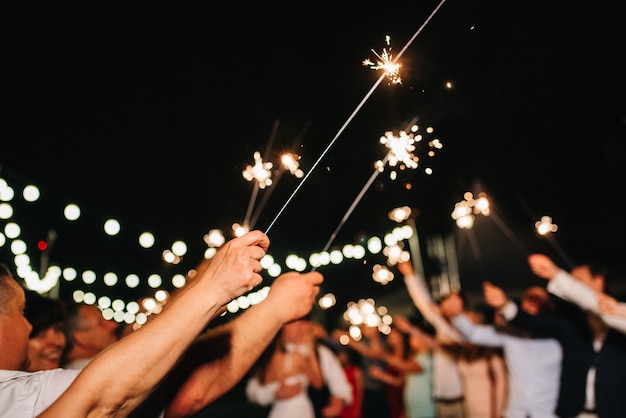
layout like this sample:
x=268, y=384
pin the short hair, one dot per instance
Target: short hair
x=43, y=312
x=7, y=292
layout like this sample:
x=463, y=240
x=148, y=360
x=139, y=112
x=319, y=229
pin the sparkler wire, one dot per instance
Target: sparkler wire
x=354, y=203
x=560, y=250
x=347, y=122
x=255, y=191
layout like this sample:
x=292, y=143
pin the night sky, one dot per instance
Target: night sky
x=150, y=115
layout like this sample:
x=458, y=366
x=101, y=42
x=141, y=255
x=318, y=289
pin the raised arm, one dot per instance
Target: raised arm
x=424, y=303
x=223, y=356
x=123, y=375
x=565, y=286
x=453, y=308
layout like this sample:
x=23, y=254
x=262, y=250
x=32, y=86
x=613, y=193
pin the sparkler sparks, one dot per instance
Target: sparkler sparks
x=260, y=171
x=385, y=63
x=401, y=148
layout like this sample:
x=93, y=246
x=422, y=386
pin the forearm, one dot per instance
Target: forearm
x=101, y=390
x=221, y=358
x=568, y=288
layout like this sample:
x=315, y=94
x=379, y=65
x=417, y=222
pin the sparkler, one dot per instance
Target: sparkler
x=400, y=150
x=386, y=63
x=464, y=215
x=545, y=227
x=347, y=122
x=291, y=162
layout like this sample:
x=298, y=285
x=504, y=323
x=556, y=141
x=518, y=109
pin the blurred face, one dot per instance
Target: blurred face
x=95, y=331
x=45, y=348
x=296, y=331
x=14, y=331
x=534, y=300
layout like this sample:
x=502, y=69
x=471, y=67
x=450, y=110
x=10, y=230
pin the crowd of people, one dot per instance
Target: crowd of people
x=559, y=351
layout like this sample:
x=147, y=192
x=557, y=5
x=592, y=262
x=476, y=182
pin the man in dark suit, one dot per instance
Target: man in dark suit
x=593, y=374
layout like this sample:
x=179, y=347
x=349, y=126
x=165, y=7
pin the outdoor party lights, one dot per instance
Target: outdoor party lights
x=6, y=211
x=31, y=193
x=146, y=240
x=71, y=212
x=112, y=227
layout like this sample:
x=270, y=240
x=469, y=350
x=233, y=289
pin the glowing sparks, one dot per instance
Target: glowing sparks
x=291, y=162
x=401, y=149
x=260, y=172
x=545, y=226
x=465, y=210
x=385, y=62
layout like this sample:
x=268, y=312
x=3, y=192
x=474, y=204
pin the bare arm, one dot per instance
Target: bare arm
x=123, y=375
x=243, y=340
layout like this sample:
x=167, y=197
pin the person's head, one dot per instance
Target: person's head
x=591, y=274
x=47, y=339
x=535, y=300
x=297, y=331
x=88, y=331
x=14, y=327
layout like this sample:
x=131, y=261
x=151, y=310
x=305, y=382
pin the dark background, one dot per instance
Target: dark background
x=149, y=114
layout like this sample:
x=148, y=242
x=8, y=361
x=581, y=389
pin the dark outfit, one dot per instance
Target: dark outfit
x=572, y=329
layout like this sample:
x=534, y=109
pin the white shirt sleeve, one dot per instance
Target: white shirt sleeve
x=334, y=376
x=509, y=311
x=572, y=290
x=260, y=394
x=424, y=303
x=477, y=334
x=25, y=394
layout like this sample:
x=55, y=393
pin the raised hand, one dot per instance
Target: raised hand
x=294, y=294
x=494, y=295
x=543, y=266
x=236, y=267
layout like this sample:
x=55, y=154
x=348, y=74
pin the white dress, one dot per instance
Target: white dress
x=297, y=406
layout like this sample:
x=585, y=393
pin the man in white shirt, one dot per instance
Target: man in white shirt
x=119, y=379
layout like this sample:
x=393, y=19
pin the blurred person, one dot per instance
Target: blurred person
x=336, y=392
x=482, y=368
x=594, y=355
x=609, y=306
x=291, y=367
x=584, y=286
x=200, y=366
x=350, y=362
x=448, y=388
x=533, y=364
x=372, y=349
x=46, y=341
x=272, y=383
x=419, y=398
x=88, y=333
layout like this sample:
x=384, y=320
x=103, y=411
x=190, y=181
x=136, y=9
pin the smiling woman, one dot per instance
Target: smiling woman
x=47, y=340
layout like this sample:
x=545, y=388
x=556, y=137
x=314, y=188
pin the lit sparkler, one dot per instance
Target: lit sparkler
x=261, y=172
x=400, y=150
x=352, y=115
x=545, y=227
x=385, y=62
